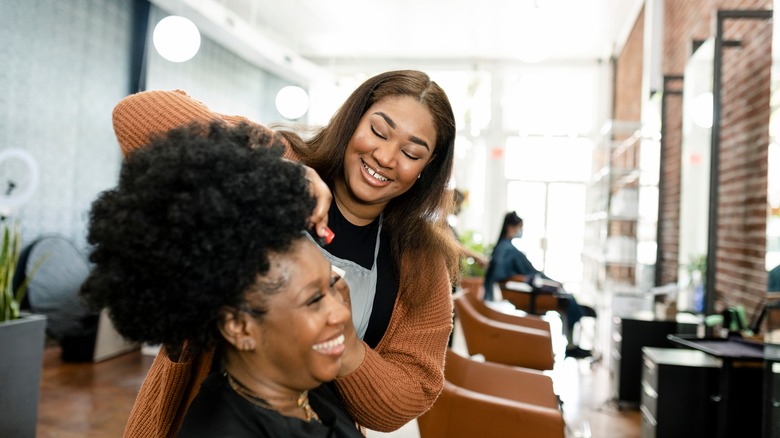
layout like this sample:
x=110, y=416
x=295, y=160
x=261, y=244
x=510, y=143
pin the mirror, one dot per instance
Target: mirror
x=773, y=165
x=695, y=176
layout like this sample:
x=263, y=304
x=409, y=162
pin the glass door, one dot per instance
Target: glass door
x=553, y=227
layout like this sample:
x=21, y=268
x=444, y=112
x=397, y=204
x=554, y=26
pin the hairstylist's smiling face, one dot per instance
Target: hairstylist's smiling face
x=391, y=146
x=302, y=333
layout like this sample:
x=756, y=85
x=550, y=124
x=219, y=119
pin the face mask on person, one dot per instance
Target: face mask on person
x=519, y=233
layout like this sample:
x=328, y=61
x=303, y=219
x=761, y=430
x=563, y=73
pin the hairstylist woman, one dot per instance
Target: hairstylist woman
x=226, y=266
x=387, y=156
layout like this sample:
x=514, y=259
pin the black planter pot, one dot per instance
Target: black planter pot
x=21, y=361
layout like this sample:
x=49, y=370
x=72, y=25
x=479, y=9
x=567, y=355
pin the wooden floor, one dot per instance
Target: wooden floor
x=88, y=400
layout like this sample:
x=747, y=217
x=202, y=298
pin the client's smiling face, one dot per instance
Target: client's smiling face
x=301, y=336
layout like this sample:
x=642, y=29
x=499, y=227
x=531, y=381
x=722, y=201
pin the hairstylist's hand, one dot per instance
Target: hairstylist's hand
x=354, y=350
x=321, y=192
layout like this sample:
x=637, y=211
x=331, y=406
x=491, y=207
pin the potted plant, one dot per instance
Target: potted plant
x=472, y=274
x=22, y=337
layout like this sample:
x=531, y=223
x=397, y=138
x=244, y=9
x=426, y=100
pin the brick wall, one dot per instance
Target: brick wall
x=628, y=75
x=741, y=276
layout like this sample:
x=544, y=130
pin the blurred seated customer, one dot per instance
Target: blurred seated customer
x=204, y=240
x=507, y=261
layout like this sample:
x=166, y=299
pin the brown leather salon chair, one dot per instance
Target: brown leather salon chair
x=523, y=319
x=502, y=342
x=483, y=399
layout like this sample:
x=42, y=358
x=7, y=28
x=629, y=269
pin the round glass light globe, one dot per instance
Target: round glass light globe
x=292, y=102
x=176, y=38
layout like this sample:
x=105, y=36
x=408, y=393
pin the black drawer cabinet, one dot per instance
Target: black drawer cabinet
x=771, y=390
x=679, y=393
x=629, y=335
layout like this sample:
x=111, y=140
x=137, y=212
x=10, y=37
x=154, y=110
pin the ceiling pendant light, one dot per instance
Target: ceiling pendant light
x=292, y=102
x=176, y=38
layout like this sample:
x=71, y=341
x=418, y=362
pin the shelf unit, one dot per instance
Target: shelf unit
x=612, y=209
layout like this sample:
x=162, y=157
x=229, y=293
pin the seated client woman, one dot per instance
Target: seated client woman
x=204, y=240
x=507, y=261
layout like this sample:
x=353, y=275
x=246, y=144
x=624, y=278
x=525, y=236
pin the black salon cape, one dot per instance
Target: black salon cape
x=218, y=411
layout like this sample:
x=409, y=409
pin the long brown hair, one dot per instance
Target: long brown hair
x=415, y=220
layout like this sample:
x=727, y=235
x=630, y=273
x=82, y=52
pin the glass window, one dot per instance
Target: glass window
x=551, y=101
x=548, y=158
x=469, y=94
x=553, y=226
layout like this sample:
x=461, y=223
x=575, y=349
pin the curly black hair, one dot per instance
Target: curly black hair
x=189, y=229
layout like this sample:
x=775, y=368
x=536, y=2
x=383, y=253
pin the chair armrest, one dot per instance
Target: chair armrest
x=517, y=286
x=533, y=300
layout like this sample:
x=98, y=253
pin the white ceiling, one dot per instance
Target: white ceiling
x=441, y=29
x=338, y=32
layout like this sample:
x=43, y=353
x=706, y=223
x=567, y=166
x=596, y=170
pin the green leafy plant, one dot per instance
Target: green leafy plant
x=10, y=299
x=697, y=263
x=469, y=267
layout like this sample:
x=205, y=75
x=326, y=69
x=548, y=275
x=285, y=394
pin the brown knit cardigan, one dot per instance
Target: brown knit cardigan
x=396, y=382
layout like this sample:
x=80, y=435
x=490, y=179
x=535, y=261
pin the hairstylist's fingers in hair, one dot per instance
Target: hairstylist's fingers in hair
x=320, y=191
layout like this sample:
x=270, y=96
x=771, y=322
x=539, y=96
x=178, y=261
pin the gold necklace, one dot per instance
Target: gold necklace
x=301, y=402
